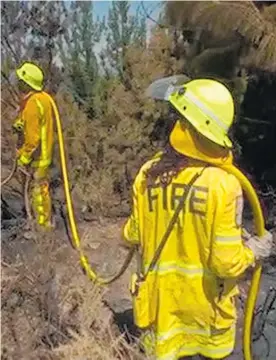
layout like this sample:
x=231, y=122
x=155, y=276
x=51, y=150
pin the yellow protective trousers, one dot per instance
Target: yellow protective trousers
x=40, y=197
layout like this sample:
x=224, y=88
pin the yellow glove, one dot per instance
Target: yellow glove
x=22, y=160
x=18, y=125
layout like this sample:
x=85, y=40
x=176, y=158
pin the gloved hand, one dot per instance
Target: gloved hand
x=261, y=246
x=20, y=163
x=18, y=125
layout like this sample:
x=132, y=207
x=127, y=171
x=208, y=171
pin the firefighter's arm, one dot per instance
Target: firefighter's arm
x=229, y=257
x=31, y=118
x=131, y=227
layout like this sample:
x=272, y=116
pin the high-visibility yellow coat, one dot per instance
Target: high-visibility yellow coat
x=195, y=280
x=37, y=117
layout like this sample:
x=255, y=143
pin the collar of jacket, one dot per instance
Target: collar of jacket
x=24, y=99
x=190, y=143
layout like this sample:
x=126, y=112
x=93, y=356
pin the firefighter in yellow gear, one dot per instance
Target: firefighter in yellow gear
x=191, y=289
x=35, y=119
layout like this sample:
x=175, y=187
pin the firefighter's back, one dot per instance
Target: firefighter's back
x=187, y=287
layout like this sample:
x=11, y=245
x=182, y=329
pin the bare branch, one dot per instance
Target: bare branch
x=269, y=193
x=148, y=16
x=256, y=121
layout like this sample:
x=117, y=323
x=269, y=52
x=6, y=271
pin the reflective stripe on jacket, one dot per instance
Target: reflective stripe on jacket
x=194, y=281
x=37, y=116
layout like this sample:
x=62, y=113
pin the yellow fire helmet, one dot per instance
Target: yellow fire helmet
x=206, y=104
x=32, y=75
x=209, y=106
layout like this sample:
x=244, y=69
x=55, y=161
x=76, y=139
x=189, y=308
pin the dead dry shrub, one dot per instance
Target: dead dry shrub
x=8, y=114
x=105, y=153
x=89, y=170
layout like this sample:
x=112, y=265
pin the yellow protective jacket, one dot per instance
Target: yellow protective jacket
x=37, y=117
x=194, y=282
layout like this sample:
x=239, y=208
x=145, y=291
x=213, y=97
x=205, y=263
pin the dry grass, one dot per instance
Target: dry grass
x=50, y=310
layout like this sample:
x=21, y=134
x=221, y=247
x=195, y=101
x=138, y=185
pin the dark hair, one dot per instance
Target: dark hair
x=167, y=167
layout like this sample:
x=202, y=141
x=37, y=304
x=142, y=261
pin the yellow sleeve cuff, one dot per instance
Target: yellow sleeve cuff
x=130, y=232
x=250, y=257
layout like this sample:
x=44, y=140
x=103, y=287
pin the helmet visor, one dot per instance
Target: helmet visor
x=161, y=89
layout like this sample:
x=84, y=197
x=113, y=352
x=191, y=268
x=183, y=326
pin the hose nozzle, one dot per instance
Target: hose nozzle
x=18, y=125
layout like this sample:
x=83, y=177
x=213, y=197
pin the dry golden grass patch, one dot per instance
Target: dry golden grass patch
x=50, y=310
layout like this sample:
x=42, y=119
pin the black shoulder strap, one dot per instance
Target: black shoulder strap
x=172, y=222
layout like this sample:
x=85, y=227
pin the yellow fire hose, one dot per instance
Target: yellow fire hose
x=75, y=235
x=255, y=282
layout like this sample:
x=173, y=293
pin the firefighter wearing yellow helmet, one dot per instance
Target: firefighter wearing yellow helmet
x=186, y=302
x=36, y=120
